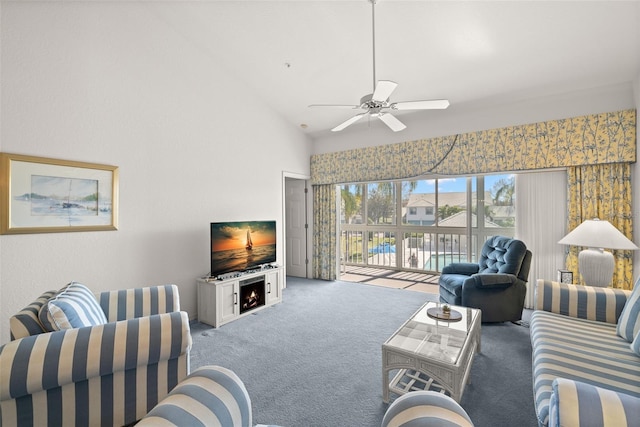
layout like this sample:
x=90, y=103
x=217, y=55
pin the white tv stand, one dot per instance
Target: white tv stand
x=219, y=299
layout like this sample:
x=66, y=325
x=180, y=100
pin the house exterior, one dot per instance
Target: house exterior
x=421, y=208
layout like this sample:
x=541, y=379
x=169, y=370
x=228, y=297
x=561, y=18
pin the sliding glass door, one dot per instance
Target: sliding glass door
x=423, y=224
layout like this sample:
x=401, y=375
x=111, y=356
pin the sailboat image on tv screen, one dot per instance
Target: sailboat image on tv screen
x=242, y=245
x=249, y=245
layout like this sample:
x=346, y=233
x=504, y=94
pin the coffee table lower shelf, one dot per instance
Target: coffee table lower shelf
x=407, y=380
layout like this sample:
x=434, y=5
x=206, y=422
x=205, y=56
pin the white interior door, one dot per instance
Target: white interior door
x=296, y=227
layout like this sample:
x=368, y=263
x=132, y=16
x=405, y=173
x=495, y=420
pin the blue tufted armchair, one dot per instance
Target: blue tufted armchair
x=496, y=284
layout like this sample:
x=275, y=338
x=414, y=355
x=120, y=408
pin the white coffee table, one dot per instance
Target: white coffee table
x=431, y=353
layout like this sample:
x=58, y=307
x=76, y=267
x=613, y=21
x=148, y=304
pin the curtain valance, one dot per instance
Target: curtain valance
x=578, y=141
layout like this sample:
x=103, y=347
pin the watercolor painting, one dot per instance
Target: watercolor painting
x=48, y=195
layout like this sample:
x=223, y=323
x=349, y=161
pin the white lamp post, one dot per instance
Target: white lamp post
x=595, y=265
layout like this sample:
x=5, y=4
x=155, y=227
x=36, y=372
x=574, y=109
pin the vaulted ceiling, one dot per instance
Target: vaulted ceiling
x=301, y=52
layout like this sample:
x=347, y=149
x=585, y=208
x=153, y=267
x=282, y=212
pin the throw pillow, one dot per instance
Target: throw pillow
x=629, y=321
x=45, y=317
x=74, y=306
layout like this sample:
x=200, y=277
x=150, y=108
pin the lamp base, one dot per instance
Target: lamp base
x=596, y=267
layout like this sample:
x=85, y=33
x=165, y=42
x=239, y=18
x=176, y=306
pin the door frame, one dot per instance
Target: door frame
x=308, y=215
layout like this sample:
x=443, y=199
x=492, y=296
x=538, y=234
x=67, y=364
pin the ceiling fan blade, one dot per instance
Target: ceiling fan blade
x=348, y=122
x=433, y=104
x=393, y=123
x=383, y=91
x=353, y=107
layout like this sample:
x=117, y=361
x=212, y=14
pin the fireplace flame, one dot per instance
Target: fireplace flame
x=252, y=300
x=252, y=295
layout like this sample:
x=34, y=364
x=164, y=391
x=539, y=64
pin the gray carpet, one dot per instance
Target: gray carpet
x=315, y=359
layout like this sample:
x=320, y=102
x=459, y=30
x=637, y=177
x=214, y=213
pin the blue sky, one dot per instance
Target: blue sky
x=448, y=185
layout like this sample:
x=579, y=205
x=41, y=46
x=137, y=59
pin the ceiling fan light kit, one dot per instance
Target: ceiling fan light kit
x=376, y=103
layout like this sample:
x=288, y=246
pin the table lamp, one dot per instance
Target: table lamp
x=594, y=264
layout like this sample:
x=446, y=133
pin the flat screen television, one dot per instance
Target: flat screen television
x=242, y=245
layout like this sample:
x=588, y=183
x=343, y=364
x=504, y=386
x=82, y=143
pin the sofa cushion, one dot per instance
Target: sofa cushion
x=635, y=344
x=453, y=283
x=74, y=306
x=575, y=403
x=581, y=350
x=584, y=302
x=629, y=322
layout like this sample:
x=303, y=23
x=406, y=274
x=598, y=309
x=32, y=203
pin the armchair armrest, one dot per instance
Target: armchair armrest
x=50, y=360
x=584, y=302
x=467, y=268
x=490, y=281
x=574, y=403
x=422, y=408
x=210, y=395
x=138, y=302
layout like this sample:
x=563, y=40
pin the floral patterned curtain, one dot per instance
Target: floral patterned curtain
x=577, y=141
x=604, y=192
x=324, y=232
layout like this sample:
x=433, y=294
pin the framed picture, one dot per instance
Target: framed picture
x=41, y=195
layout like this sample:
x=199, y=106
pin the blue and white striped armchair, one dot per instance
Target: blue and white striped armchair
x=425, y=408
x=110, y=374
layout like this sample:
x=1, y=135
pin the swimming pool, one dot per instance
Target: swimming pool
x=442, y=260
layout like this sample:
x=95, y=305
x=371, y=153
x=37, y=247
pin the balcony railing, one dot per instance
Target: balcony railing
x=408, y=250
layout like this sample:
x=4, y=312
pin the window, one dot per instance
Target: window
x=453, y=202
x=351, y=204
x=424, y=224
x=418, y=198
x=381, y=203
x=500, y=206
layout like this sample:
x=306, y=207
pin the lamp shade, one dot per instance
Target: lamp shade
x=595, y=233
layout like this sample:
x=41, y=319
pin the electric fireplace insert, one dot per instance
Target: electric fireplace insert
x=252, y=293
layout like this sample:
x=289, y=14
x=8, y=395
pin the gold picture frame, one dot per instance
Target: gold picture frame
x=43, y=195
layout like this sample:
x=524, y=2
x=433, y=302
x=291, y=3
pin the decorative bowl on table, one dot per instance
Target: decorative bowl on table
x=445, y=313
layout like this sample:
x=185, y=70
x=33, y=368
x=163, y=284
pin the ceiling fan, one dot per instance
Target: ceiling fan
x=377, y=103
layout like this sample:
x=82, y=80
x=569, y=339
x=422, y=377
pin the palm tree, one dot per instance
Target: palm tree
x=351, y=201
x=408, y=187
x=446, y=211
x=488, y=213
x=503, y=191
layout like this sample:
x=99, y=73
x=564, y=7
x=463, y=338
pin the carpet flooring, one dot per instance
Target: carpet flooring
x=315, y=359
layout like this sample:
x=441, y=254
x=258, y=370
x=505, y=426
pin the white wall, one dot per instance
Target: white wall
x=112, y=83
x=475, y=117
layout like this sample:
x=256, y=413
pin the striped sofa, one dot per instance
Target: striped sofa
x=583, y=372
x=106, y=375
